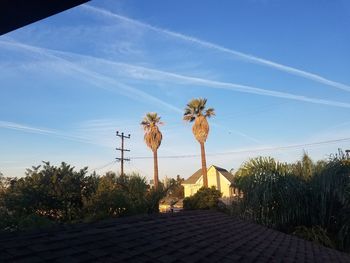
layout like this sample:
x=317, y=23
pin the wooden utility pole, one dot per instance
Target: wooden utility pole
x=122, y=150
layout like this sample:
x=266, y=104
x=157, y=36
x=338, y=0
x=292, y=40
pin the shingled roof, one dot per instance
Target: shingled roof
x=197, y=236
x=193, y=178
x=225, y=173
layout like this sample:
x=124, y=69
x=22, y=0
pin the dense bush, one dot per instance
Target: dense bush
x=59, y=194
x=310, y=199
x=204, y=198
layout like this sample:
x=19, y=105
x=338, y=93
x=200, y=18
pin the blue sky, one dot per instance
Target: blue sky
x=276, y=72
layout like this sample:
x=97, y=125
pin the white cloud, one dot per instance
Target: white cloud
x=145, y=73
x=235, y=53
x=98, y=80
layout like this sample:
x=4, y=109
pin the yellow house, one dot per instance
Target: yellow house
x=218, y=177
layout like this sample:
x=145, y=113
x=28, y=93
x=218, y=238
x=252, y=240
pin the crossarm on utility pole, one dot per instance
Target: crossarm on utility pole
x=122, y=150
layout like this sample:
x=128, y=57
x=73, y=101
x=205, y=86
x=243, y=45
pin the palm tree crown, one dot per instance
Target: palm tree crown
x=153, y=136
x=195, y=111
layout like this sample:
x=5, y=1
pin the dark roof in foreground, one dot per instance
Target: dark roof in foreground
x=198, y=236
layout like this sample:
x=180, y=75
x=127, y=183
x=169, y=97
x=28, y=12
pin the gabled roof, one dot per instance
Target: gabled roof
x=193, y=178
x=195, y=236
x=225, y=173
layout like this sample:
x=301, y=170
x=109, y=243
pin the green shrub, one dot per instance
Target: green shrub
x=205, y=198
x=34, y=221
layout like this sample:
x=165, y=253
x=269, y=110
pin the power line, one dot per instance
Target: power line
x=246, y=151
x=103, y=166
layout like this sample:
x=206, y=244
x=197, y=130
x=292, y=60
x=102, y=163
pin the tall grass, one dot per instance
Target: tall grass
x=299, y=197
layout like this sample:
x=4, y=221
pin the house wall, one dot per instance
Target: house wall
x=219, y=181
x=214, y=179
x=191, y=189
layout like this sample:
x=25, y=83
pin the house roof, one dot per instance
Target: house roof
x=225, y=173
x=194, y=178
x=195, y=236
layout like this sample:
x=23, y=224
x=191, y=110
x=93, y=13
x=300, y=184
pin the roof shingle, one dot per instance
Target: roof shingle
x=196, y=236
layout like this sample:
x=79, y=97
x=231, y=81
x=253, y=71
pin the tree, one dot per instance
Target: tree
x=153, y=139
x=271, y=194
x=204, y=198
x=176, y=189
x=311, y=200
x=110, y=199
x=195, y=111
x=304, y=168
x=49, y=191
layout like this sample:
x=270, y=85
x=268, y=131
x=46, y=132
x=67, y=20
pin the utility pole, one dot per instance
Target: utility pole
x=122, y=150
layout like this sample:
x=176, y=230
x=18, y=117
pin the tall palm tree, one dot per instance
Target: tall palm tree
x=153, y=138
x=195, y=111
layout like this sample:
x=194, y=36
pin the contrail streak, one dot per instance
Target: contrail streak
x=155, y=74
x=42, y=131
x=96, y=78
x=22, y=127
x=49, y=53
x=247, y=57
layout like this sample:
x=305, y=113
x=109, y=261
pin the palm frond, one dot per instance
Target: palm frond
x=153, y=136
x=209, y=112
x=189, y=118
x=195, y=112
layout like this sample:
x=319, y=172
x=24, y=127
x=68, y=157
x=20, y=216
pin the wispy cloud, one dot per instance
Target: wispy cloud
x=146, y=73
x=26, y=128
x=235, y=53
x=44, y=131
x=98, y=125
x=139, y=72
x=98, y=80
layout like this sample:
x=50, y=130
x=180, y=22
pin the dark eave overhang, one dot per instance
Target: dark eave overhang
x=18, y=13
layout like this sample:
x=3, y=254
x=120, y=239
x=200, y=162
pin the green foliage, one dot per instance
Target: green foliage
x=34, y=221
x=153, y=198
x=330, y=200
x=53, y=192
x=304, y=168
x=271, y=194
x=204, y=198
x=123, y=195
x=7, y=221
x=108, y=200
x=288, y=196
x=176, y=189
x=316, y=234
x=59, y=194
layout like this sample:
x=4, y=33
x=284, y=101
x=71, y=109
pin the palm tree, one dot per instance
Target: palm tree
x=195, y=111
x=153, y=138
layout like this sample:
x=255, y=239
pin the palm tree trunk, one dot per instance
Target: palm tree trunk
x=155, y=160
x=204, y=165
